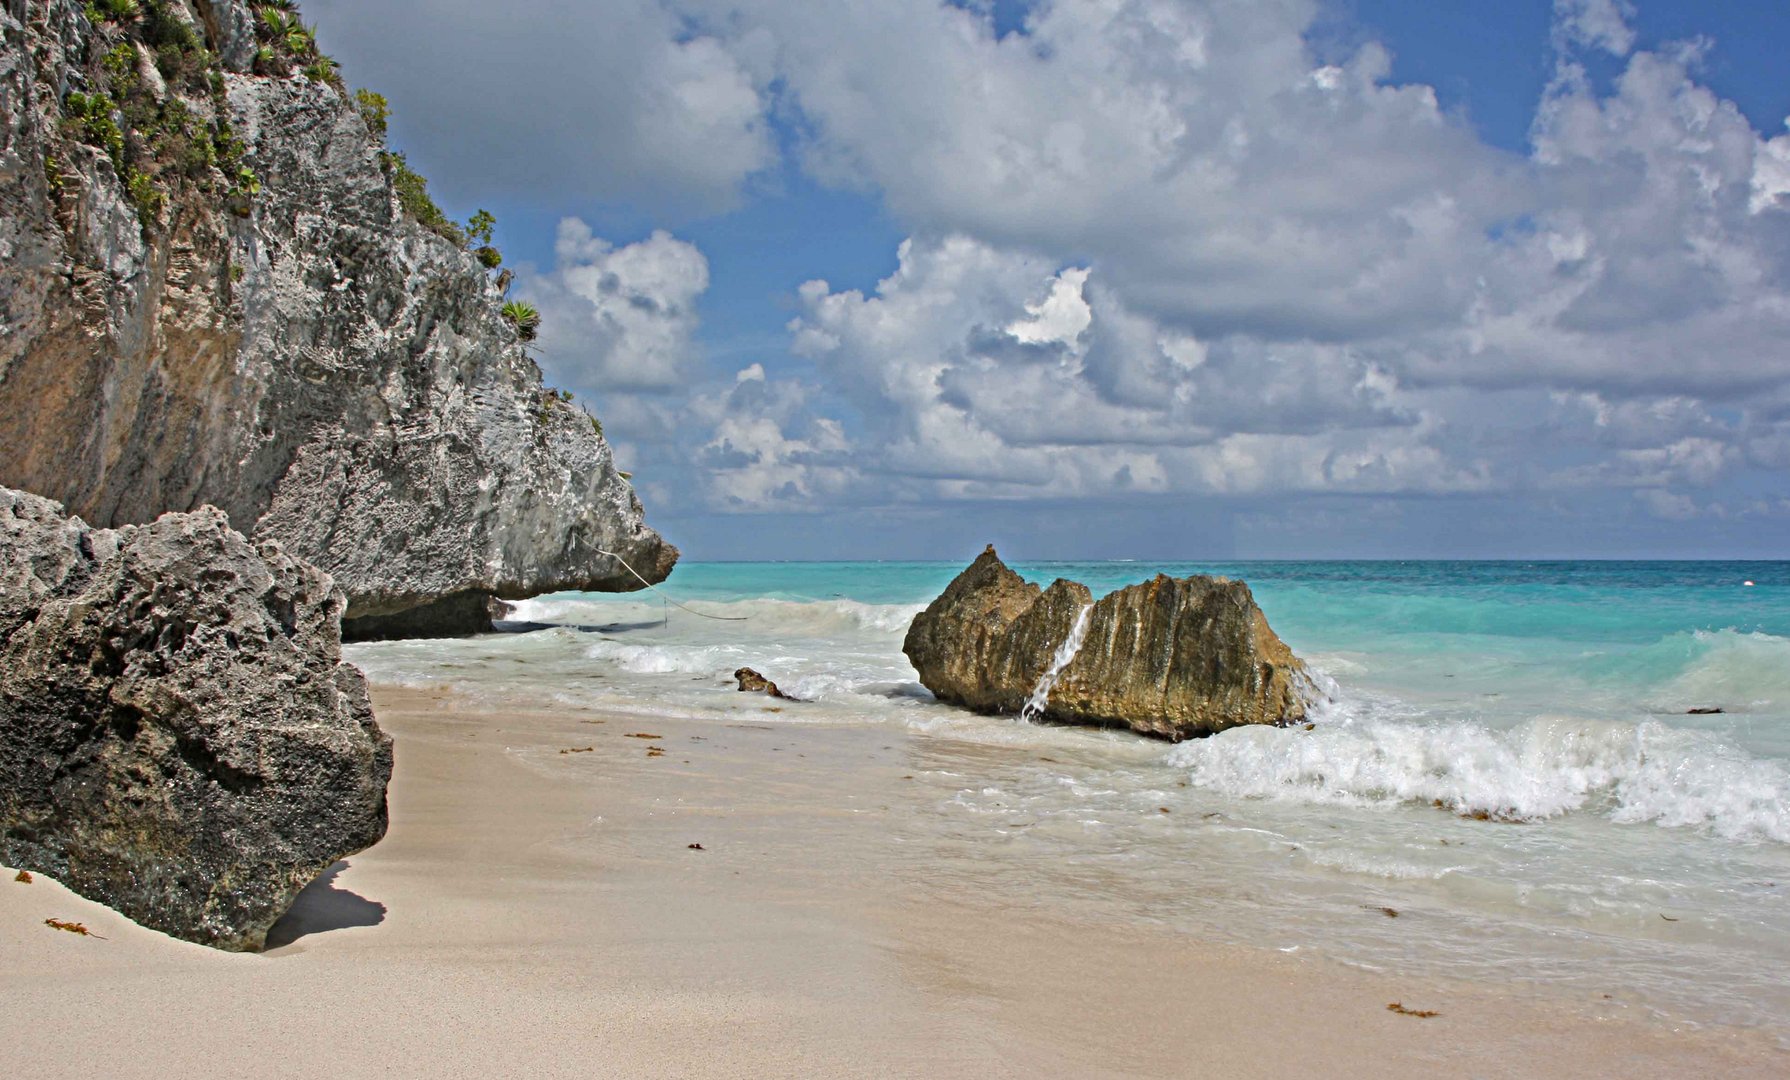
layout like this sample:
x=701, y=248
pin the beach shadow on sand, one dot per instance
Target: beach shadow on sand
x=321, y=907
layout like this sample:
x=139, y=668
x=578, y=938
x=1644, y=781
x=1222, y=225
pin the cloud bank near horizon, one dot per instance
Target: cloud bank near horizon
x=1159, y=249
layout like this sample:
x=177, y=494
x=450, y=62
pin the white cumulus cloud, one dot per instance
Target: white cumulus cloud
x=618, y=318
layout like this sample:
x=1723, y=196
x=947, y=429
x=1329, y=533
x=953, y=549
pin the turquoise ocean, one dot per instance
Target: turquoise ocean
x=1506, y=758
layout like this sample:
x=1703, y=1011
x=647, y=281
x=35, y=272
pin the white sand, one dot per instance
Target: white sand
x=543, y=916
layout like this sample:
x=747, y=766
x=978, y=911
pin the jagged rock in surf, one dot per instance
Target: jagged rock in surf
x=751, y=682
x=179, y=738
x=232, y=307
x=1172, y=657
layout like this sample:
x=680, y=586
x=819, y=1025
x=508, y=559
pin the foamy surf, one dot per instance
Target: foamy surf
x=756, y=618
x=1542, y=768
x=1652, y=843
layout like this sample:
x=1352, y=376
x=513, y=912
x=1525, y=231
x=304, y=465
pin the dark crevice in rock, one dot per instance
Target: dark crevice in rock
x=460, y=615
x=204, y=761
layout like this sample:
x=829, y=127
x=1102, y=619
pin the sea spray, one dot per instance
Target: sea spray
x=1078, y=631
x=1540, y=769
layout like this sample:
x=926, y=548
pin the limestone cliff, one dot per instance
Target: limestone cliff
x=210, y=293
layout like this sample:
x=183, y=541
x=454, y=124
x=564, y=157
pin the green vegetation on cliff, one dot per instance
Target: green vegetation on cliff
x=171, y=129
x=154, y=105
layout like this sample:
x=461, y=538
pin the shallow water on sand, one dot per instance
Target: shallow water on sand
x=1506, y=761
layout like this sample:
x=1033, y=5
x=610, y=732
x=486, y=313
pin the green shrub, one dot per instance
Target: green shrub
x=375, y=110
x=489, y=257
x=90, y=115
x=273, y=22
x=413, y=195
x=479, y=226
x=162, y=27
x=145, y=196
x=524, y=317
x=118, y=11
x=324, y=70
x=120, y=64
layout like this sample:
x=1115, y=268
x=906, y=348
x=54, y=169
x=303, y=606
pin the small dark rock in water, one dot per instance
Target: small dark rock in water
x=752, y=682
x=1704, y=710
x=696, y=847
x=179, y=738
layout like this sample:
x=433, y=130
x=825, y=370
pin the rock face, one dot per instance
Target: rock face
x=179, y=738
x=211, y=294
x=1172, y=657
x=751, y=682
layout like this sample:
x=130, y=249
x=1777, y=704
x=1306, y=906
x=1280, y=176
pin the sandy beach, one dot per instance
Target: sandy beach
x=540, y=908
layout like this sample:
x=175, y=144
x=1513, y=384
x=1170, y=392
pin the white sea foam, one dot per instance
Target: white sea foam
x=1575, y=732
x=755, y=617
x=1040, y=697
x=641, y=659
x=1543, y=768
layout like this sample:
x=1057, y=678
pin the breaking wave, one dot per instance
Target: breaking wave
x=1543, y=768
x=1726, y=668
x=755, y=618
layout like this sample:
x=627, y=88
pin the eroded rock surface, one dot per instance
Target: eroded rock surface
x=1172, y=657
x=179, y=739
x=751, y=682
x=229, y=307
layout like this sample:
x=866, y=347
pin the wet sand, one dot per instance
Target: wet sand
x=541, y=913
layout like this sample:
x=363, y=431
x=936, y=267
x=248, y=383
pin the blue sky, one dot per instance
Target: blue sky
x=1140, y=278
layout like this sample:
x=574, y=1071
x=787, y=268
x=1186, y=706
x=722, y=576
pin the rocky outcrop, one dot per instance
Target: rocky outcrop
x=210, y=293
x=1172, y=657
x=179, y=738
x=751, y=682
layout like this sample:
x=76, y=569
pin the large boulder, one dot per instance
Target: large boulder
x=179, y=738
x=231, y=306
x=1171, y=657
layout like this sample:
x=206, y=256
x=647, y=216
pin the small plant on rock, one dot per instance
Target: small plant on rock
x=117, y=11
x=324, y=70
x=524, y=317
x=374, y=110
x=413, y=194
x=478, y=231
x=90, y=116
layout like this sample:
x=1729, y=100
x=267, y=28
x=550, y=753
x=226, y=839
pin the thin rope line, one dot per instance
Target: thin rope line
x=669, y=600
